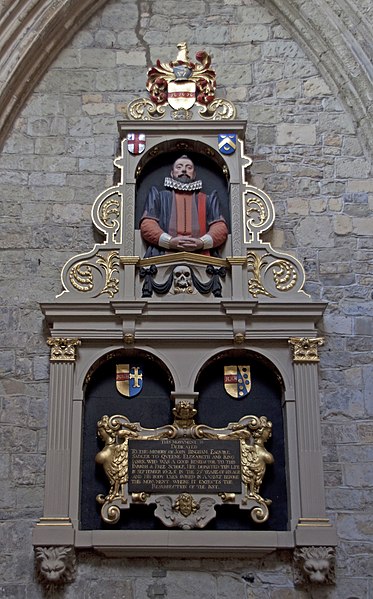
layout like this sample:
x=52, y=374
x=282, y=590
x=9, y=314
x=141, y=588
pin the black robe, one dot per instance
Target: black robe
x=158, y=206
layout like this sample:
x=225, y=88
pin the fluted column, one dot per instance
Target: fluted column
x=63, y=356
x=311, y=479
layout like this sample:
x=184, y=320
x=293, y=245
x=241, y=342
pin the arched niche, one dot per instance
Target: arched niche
x=152, y=407
x=156, y=164
x=216, y=408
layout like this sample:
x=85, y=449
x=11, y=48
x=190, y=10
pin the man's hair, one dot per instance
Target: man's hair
x=184, y=156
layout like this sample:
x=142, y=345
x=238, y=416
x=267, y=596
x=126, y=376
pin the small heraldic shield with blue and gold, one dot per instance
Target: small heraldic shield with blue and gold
x=129, y=380
x=227, y=143
x=237, y=381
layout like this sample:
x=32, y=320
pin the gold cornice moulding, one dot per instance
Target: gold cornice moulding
x=63, y=349
x=305, y=349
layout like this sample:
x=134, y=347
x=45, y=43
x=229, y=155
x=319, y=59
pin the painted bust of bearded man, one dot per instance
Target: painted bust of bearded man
x=181, y=218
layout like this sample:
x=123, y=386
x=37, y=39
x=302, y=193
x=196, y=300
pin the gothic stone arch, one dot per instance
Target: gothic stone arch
x=33, y=33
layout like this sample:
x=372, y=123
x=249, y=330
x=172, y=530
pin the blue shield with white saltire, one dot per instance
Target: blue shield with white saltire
x=227, y=143
x=129, y=380
x=237, y=381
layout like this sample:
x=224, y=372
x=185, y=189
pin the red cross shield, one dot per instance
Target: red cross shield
x=136, y=143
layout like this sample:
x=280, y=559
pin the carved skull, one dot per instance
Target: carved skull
x=182, y=278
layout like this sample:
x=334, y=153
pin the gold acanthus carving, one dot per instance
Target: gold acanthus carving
x=82, y=278
x=63, y=349
x=146, y=110
x=218, y=110
x=110, y=212
x=284, y=274
x=305, y=349
x=256, y=211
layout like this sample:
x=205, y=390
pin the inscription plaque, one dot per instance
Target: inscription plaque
x=184, y=465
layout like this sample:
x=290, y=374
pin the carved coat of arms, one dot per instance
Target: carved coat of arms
x=128, y=380
x=182, y=82
x=237, y=381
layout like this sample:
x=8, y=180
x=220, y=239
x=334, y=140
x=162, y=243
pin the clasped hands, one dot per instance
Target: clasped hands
x=186, y=244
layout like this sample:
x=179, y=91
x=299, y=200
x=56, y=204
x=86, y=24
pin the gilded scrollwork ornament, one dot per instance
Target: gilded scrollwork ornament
x=96, y=275
x=271, y=273
x=145, y=110
x=258, y=213
x=271, y=276
x=183, y=509
x=305, y=349
x=218, y=110
x=110, y=211
x=107, y=211
x=115, y=432
x=63, y=349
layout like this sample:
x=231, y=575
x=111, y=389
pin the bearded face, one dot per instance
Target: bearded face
x=183, y=170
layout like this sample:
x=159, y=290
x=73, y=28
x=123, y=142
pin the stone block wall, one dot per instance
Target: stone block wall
x=307, y=156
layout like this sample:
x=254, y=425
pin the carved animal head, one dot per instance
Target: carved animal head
x=318, y=563
x=56, y=565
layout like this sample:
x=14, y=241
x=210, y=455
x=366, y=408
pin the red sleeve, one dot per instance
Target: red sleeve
x=219, y=232
x=150, y=230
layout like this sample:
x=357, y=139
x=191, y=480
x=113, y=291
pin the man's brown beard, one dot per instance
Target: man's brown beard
x=184, y=178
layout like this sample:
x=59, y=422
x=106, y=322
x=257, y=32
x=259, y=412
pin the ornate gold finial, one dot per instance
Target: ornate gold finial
x=63, y=349
x=305, y=349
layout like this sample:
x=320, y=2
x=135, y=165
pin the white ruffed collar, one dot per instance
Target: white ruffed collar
x=180, y=186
